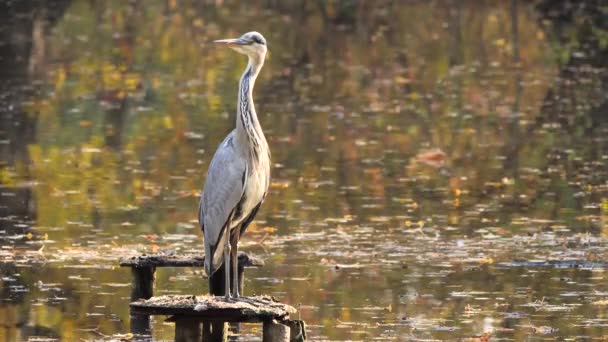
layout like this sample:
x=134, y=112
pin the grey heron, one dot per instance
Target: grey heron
x=239, y=173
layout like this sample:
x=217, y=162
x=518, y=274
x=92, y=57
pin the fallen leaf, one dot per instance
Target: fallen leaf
x=435, y=158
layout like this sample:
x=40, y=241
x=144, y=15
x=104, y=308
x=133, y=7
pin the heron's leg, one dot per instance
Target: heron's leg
x=235, y=275
x=235, y=261
x=227, y=262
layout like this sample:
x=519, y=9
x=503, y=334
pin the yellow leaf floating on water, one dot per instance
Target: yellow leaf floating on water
x=29, y=236
x=500, y=42
x=486, y=261
x=60, y=78
x=410, y=224
x=131, y=82
x=604, y=205
x=198, y=23
x=279, y=185
x=402, y=80
x=168, y=122
x=126, y=337
x=269, y=229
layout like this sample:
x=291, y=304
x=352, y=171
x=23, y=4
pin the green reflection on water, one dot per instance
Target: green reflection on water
x=124, y=104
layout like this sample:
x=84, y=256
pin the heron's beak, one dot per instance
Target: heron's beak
x=232, y=42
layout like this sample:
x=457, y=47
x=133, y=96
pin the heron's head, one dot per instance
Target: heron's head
x=252, y=44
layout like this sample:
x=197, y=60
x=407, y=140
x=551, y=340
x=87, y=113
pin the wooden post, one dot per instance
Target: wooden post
x=143, y=268
x=187, y=329
x=142, y=287
x=298, y=330
x=275, y=332
x=143, y=282
x=140, y=325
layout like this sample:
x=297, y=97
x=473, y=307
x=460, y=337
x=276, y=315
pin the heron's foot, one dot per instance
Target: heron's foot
x=249, y=300
x=260, y=301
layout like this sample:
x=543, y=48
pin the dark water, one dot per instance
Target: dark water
x=110, y=112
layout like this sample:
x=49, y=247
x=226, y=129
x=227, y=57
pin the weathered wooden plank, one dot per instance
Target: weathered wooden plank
x=215, y=308
x=184, y=260
x=161, y=260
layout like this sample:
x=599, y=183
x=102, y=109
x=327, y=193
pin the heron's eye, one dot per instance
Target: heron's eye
x=258, y=40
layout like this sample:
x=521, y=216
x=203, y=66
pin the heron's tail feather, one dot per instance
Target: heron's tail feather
x=214, y=255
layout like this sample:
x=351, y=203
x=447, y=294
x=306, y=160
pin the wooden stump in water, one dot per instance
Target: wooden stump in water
x=275, y=332
x=188, y=312
x=297, y=330
x=143, y=269
x=187, y=329
x=142, y=286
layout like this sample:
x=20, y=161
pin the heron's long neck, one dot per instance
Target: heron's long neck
x=248, y=126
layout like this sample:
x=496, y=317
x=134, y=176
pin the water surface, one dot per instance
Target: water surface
x=439, y=168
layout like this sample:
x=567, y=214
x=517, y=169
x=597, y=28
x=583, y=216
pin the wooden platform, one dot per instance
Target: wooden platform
x=195, y=316
x=205, y=318
x=215, y=308
x=182, y=260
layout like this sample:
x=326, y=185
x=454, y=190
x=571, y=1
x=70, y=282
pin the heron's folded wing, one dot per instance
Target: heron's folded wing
x=223, y=191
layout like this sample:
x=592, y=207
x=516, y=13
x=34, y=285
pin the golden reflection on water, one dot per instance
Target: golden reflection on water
x=417, y=147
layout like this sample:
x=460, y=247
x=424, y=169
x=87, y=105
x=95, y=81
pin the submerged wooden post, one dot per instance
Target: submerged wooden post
x=143, y=268
x=297, y=330
x=192, y=309
x=275, y=331
x=215, y=331
x=187, y=329
x=142, y=287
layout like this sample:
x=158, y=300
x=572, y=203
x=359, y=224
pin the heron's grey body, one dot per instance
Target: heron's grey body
x=239, y=174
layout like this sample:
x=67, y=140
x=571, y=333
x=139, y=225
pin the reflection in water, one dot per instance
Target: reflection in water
x=110, y=112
